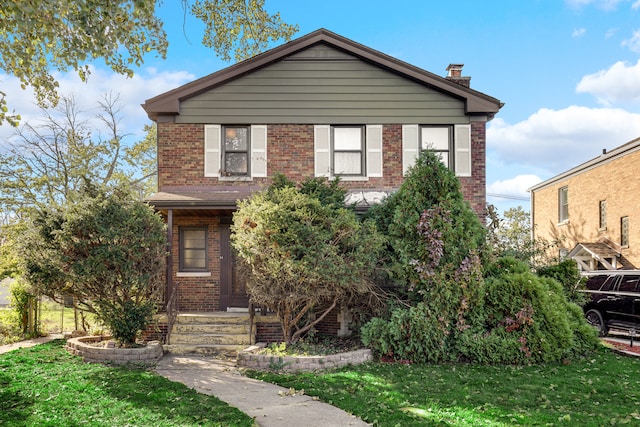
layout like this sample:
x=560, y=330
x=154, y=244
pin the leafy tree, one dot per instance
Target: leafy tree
x=512, y=236
x=429, y=186
x=37, y=37
x=104, y=248
x=303, y=258
x=48, y=161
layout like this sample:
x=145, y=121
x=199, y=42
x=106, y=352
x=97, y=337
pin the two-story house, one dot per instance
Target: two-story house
x=592, y=210
x=318, y=106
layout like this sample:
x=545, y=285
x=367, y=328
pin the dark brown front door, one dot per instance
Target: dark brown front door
x=232, y=288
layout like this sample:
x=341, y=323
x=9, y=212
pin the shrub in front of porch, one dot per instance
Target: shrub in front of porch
x=303, y=257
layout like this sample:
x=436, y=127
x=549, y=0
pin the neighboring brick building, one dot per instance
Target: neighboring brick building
x=593, y=210
x=318, y=106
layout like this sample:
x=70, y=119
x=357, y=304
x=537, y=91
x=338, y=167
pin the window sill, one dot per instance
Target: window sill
x=349, y=178
x=193, y=274
x=235, y=178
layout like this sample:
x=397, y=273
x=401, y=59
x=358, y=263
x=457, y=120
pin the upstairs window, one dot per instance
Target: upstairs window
x=603, y=214
x=236, y=151
x=438, y=141
x=193, y=249
x=351, y=152
x=624, y=231
x=563, y=204
x=452, y=144
x=348, y=150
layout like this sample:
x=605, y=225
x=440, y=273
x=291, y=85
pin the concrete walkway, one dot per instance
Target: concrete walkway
x=28, y=343
x=270, y=405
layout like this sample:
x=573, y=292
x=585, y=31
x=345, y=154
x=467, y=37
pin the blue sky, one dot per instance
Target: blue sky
x=568, y=71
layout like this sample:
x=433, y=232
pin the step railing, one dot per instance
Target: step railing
x=172, y=310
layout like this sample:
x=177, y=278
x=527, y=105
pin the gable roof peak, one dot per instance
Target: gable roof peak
x=476, y=102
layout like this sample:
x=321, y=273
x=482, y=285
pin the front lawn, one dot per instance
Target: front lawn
x=602, y=389
x=46, y=386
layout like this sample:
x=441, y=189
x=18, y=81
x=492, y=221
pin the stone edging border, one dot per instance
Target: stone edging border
x=267, y=362
x=148, y=355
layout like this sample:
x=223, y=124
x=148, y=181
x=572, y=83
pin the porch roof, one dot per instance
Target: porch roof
x=226, y=198
x=584, y=253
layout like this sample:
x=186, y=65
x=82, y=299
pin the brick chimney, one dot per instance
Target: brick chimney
x=455, y=75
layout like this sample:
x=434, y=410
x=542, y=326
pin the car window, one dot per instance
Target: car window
x=595, y=282
x=609, y=283
x=629, y=283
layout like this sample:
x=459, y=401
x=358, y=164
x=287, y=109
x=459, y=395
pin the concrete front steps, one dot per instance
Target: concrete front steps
x=215, y=333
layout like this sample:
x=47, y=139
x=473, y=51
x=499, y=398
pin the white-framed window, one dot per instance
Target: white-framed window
x=352, y=152
x=563, y=204
x=235, y=151
x=451, y=143
x=193, y=249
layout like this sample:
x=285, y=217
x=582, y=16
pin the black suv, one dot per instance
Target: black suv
x=614, y=300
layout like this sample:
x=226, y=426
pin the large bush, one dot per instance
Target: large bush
x=302, y=257
x=437, y=252
x=105, y=249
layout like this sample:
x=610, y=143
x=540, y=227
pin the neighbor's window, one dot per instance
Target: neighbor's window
x=437, y=139
x=603, y=214
x=348, y=150
x=563, y=204
x=193, y=249
x=235, y=150
x=624, y=231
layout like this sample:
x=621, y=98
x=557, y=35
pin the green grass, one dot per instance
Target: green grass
x=602, y=389
x=46, y=386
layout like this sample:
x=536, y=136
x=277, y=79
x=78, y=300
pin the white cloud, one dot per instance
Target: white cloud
x=601, y=4
x=633, y=43
x=132, y=92
x=610, y=32
x=578, y=32
x=514, y=187
x=553, y=141
x=635, y=5
x=619, y=83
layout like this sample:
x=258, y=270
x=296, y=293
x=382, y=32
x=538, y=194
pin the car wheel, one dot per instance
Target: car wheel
x=594, y=318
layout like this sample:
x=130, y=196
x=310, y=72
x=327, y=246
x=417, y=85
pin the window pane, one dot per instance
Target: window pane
x=235, y=139
x=347, y=138
x=624, y=231
x=193, y=239
x=347, y=163
x=435, y=138
x=444, y=157
x=563, y=204
x=194, y=259
x=236, y=163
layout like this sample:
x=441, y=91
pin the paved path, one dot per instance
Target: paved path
x=28, y=343
x=270, y=405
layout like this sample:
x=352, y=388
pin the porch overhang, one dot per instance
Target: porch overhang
x=210, y=199
x=589, y=255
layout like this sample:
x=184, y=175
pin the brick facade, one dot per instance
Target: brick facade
x=614, y=180
x=290, y=151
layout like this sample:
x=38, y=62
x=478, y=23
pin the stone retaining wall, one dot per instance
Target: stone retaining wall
x=147, y=355
x=267, y=362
